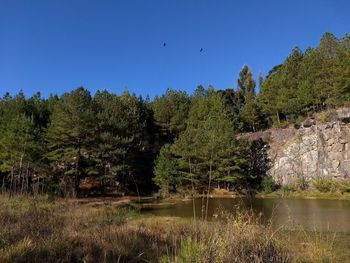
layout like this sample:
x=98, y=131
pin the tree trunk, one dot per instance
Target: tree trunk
x=278, y=117
x=3, y=185
x=20, y=181
x=11, y=181
x=77, y=173
x=208, y=191
x=193, y=201
x=22, y=185
x=203, y=208
x=27, y=179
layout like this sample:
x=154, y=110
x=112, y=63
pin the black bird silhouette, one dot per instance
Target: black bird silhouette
x=164, y=44
x=201, y=50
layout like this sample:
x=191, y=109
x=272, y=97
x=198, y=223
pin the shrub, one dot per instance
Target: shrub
x=344, y=187
x=281, y=125
x=268, y=185
x=298, y=122
x=301, y=184
x=324, y=185
x=287, y=189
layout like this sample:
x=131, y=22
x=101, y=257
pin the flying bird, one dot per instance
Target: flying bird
x=164, y=44
x=201, y=50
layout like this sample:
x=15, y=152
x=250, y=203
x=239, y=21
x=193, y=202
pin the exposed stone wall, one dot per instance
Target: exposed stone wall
x=314, y=151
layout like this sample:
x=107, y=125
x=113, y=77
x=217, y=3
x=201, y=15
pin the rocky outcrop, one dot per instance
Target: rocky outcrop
x=314, y=151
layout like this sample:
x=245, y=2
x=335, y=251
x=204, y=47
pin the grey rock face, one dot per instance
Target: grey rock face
x=315, y=151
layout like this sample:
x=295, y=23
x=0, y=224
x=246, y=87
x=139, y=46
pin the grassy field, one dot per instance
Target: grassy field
x=39, y=230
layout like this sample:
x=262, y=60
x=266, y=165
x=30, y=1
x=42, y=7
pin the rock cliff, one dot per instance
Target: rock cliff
x=319, y=149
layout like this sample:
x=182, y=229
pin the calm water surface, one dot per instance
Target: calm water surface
x=332, y=215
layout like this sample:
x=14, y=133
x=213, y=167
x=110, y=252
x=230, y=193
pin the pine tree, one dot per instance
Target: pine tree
x=250, y=114
x=16, y=148
x=70, y=136
x=170, y=112
x=22, y=124
x=209, y=131
x=120, y=128
x=166, y=171
x=342, y=72
x=246, y=83
x=233, y=165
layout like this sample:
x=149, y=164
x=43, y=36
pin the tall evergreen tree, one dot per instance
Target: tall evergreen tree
x=119, y=133
x=170, y=111
x=250, y=114
x=166, y=171
x=70, y=136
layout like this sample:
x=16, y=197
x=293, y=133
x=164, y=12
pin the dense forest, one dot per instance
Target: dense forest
x=79, y=144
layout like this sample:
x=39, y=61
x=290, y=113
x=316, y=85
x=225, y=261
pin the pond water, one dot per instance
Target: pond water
x=321, y=215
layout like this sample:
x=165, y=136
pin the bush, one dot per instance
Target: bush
x=268, y=185
x=281, y=125
x=344, y=187
x=324, y=185
x=298, y=122
x=287, y=189
x=301, y=184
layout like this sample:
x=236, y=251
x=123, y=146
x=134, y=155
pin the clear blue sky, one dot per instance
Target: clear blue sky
x=54, y=46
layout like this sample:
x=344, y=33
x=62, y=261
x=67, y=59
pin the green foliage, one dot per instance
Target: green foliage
x=328, y=185
x=268, y=185
x=307, y=82
x=323, y=185
x=301, y=184
x=208, y=151
x=80, y=145
x=250, y=114
x=246, y=83
x=344, y=187
x=166, y=171
x=287, y=189
x=171, y=110
x=22, y=125
x=119, y=129
x=71, y=133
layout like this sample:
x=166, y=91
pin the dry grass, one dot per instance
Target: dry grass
x=36, y=230
x=305, y=194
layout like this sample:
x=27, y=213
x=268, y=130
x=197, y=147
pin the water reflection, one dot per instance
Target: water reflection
x=332, y=215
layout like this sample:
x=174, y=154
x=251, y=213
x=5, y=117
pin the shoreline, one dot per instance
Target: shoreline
x=312, y=195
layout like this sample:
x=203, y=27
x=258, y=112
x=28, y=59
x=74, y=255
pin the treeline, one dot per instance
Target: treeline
x=79, y=144
x=53, y=144
x=308, y=82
